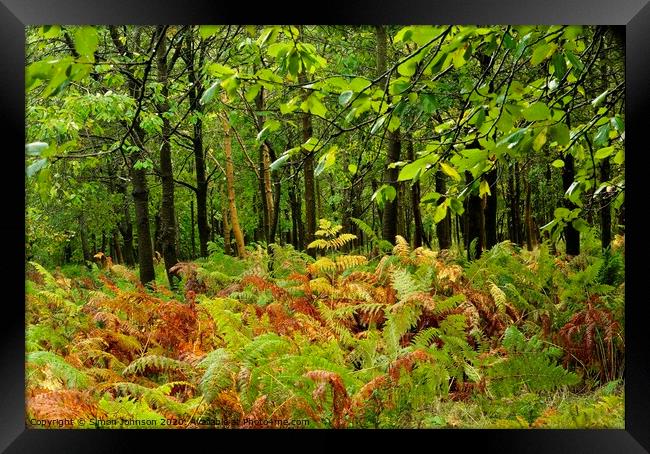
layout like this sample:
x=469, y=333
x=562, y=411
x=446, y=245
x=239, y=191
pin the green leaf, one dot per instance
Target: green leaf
x=326, y=161
x=385, y=193
x=559, y=65
x=456, y=206
x=208, y=30
x=441, y=212
x=561, y=212
x=540, y=140
x=217, y=69
x=252, y=92
x=35, y=167
x=378, y=123
x=429, y=104
x=536, y=112
x=275, y=165
x=575, y=62
x=269, y=126
x=345, y=97
x=449, y=170
x=35, y=148
x=580, y=225
x=313, y=105
x=408, y=68
x=352, y=168
x=209, y=93
x=484, y=188
x=140, y=164
x=619, y=158
x=542, y=52
x=412, y=170
x=599, y=99
x=617, y=123
x=558, y=163
x=560, y=134
x=85, y=42
x=604, y=153
x=399, y=86
x=602, y=136
x=509, y=41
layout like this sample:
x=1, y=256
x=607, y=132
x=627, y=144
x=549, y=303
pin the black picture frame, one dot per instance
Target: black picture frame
x=632, y=15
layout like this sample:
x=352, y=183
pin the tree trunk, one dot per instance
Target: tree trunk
x=389, y=214
x=167, y=210
x=530, y=240
x=418, y=232
x=266, y=191
x=126, y=229
x=571, y=235
x=605, y=212
x=474, y=220
x=443, y=228
x=226, y=231
x=84, y=241
x=308, y=169
x=513, y=208
x=192, y=238
x=117, y=251
x=145, y=249
x=491, y=210
x=199, y=153
x=230, y=182
x=297, y=225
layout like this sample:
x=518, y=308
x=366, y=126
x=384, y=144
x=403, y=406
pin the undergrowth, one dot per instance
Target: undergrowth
x=417, y=338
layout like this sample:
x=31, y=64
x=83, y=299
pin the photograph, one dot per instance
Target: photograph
x=325, y=226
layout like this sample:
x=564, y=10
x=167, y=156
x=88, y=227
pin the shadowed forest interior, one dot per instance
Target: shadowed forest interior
x=325, y=226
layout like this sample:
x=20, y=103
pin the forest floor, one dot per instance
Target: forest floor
x=422, y=339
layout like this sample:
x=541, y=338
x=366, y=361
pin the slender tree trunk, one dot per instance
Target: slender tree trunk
x=126, y=229
x=308, y=169
x=230, y=182
x=390, y=210
x=530, y=240
x=443, y=228
x=168, y=209
x=197, y=145
x=84, y=241
x=297, y=226
x=226, y=230
x=418, y=232
x=192, y=238
x=605, y=212
x=491, y=210
x=513, y=205
x=571, y=235
x=119, y=257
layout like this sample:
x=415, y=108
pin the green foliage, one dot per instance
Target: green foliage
x=528, y=366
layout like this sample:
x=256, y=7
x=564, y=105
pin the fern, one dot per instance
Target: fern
x=219, y=372
x=155, y=363
x=329, y=239
x=60, y=370
x=528, y=366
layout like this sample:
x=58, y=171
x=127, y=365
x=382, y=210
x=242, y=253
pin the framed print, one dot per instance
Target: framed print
x=377, y=220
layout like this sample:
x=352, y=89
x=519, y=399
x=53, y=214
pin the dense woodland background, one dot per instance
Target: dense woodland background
x=491, y=158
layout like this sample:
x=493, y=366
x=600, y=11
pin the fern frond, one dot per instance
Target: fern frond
x=402, y=248
x=155, y=363
x=499, y=297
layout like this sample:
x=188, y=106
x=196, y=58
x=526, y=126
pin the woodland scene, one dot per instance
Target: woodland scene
x=325, y=226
